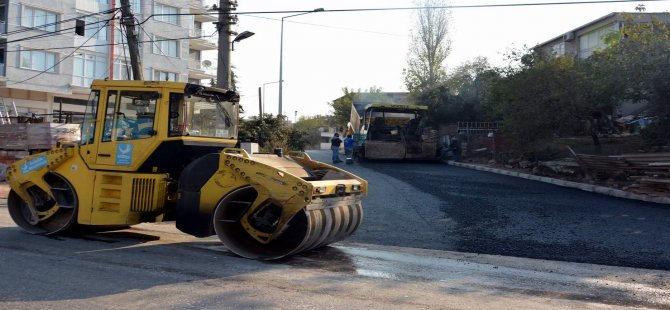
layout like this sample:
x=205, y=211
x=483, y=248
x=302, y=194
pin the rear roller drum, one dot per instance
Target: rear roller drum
x=307, y=230
x=55, y=214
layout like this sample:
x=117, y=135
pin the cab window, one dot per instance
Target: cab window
x=88, y=126
x=130, y=117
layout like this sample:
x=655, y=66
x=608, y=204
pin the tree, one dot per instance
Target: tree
x=272, y=132
x=342, y=106
x=463, y=80
x=429, y=47
x=538, y=99
x=310, y=126
x=463, y=97
x=639, y=55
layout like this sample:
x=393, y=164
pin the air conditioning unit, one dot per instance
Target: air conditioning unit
x=568, y=37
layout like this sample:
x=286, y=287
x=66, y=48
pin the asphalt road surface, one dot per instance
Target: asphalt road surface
x=418, y=247
x=441, y=207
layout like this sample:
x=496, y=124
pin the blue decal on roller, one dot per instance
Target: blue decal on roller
x=124, y=154
x=34, y=164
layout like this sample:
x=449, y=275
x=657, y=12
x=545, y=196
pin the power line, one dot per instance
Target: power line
x=107, y=44
x=413, y=8
x=327, y=26
x=124, y=33
x=63, y=58
x=59, y=22
x=159, y=48
x=49, y=34
x=63, y=38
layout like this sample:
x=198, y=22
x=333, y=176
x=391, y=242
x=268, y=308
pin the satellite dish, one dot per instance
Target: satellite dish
x=206, y=63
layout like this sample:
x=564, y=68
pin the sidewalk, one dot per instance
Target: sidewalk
x=603, y=190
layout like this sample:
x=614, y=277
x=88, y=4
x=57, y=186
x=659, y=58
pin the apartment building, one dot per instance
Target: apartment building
x=588, y=38
x=583, y=41
x=45, y=67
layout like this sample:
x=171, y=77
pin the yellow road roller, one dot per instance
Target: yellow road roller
x=167, y=151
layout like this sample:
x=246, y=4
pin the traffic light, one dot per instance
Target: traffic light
x=79, y=27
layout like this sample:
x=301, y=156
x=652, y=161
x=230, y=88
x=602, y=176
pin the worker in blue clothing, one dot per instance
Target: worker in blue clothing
x=335, y=147
x=349, y=149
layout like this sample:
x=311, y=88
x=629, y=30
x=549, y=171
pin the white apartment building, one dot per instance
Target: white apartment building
x=586, y=39
x=41, y=69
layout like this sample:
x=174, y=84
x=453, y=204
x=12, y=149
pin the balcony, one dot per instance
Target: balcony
x=194, y=64
x=199, y=42
x=195, y=33
x=198, y=7
x=197, y=71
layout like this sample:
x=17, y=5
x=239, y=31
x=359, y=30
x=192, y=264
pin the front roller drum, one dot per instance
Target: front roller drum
x=56, y=213
x=319, y=224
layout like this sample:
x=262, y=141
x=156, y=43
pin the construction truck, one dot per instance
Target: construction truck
x=392, y=131
x=167, y=151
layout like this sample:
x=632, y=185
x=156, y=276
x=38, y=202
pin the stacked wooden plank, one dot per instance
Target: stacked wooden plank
x=601, y=166
x=651, y=173
x=648, y=173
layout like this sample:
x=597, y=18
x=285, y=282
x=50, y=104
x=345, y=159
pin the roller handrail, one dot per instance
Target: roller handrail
x=233, y=150
x=299, y=154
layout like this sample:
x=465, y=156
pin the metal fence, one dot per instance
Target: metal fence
x=478, y=128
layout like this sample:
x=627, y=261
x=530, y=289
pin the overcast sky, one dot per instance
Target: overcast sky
x=326, y=51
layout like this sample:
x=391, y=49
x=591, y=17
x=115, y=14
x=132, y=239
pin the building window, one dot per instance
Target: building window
x=122, y=70
x=2, y=61
x=135, y=6
x=37, y=18
x=165, y=47
x=558, y=49
x=165, y=9
x=87, y=68
x=38, y=60
x=94, y=25
x=165, y=76
x=595, y=40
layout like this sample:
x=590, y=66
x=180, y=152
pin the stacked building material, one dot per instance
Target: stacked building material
x=646, y=173
x=34, y=137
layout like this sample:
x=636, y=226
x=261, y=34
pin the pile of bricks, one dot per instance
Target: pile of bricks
x=40, y=136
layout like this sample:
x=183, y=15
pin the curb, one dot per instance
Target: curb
x=603, y=190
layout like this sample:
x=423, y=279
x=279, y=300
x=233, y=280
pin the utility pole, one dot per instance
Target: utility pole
x=128, y=21
x=260, y=104
x=223, y=77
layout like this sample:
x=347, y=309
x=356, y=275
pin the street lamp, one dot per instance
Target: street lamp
x=223, y=74
x=264, y=92
x=240, y=37
x=281, y=53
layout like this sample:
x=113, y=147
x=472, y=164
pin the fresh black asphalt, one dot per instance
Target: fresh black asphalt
x=482, y=212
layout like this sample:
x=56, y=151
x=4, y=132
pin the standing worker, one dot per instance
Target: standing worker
x=349, y=149
x=455, y=147
x=335, y=147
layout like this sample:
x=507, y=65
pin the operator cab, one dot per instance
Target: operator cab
x=156, y=126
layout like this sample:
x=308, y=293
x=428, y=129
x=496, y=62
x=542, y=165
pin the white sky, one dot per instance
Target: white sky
x=326, y=51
